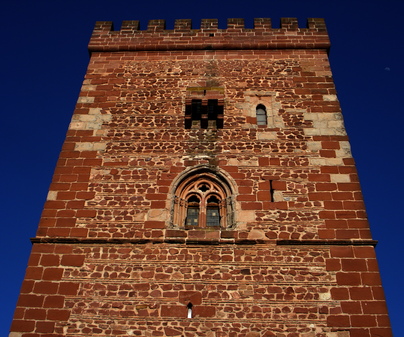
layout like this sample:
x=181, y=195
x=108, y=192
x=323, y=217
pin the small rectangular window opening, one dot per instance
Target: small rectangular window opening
x=205, y=113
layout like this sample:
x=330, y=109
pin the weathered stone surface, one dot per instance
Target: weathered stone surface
x=294, y=257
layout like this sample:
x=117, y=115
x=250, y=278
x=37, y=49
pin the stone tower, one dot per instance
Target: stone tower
x=205, y=188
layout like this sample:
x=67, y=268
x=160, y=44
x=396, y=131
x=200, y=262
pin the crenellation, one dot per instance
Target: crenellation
x=264, y=24
x=130, y=26
x=103, y=26
x=316, y=23
x=235, y=24
x=313, y=24
x=182, y=25
x=209, y=36
x=156, y=25
x=206, y=187
x=209, y=24
x=289, y=24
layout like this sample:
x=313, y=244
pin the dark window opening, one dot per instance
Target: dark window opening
x=196, y=109
x=261, y=114
x=189, y=310
x=212, y=108
x=204, y=114
x=271, y=191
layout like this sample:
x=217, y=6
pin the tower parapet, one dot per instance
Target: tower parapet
x=209, y=35
x=206, y=187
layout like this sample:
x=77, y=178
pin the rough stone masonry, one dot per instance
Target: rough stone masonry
x=205, y=188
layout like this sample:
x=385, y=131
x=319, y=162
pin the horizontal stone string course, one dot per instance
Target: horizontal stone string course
x=209, y=36
x=172, y=234
x=288, y=250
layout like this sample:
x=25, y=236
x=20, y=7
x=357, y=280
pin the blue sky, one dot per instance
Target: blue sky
x=44, y=58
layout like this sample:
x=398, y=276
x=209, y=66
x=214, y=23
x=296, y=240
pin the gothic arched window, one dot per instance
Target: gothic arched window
x=261, y=114
x=202, y=200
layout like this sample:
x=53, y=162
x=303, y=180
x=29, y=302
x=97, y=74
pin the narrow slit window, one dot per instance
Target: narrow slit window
x=271, y=191
x=261, y=114
x=189, y=310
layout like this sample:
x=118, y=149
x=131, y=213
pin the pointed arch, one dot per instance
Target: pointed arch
x=202, y=198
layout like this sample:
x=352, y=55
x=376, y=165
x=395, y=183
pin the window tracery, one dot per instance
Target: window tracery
x=202, y=201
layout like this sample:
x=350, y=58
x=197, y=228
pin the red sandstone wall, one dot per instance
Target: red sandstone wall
x=107, y=259
x=208, y=36
x=249, y=290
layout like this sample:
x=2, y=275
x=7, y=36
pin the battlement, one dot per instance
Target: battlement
x=209, y=36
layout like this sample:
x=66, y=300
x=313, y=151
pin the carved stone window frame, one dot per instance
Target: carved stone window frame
x=255, y=98
x=202, y=184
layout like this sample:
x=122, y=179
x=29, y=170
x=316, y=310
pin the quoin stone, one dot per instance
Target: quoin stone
x=205, y=188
